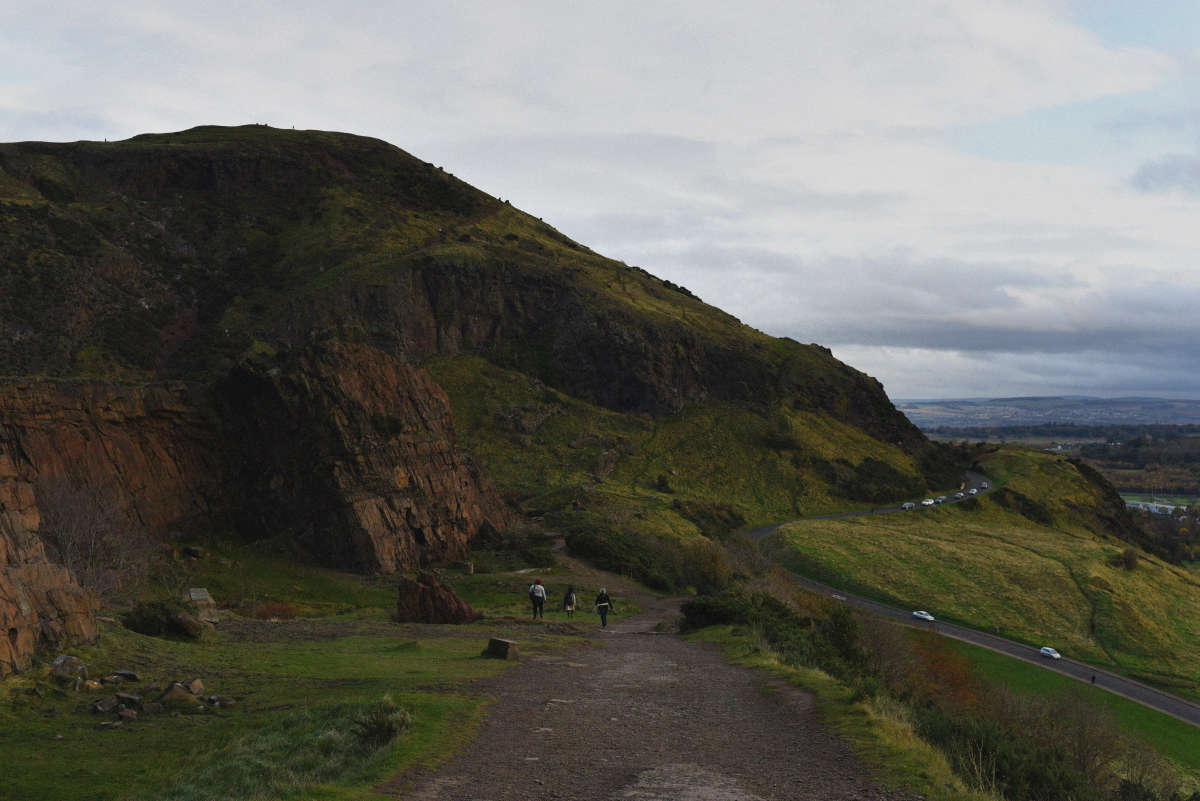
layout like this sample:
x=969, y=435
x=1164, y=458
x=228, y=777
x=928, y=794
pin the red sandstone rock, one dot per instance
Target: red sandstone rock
x=352, y=453
x=41, y=606
x=428, y=600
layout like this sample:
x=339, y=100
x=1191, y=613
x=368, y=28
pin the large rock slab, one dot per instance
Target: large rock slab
x=425, y=599
x=41, y=606
x=351, y=454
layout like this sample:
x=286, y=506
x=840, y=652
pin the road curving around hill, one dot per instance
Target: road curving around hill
x=1144, y=694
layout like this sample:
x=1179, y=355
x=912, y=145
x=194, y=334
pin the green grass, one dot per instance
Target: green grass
x=1175, y=739
x=1176, y=500
x=877, y=730
x=649, y=476
x=237, y=575
x=997, y=570
x=293, y=682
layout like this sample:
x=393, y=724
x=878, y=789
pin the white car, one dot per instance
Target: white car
x=973, y=491
x=984, y=484
x=908, y=506
x=1047, y=652
x=940, y=499
x=958, y=496
x=923, y=615
x=927, y=502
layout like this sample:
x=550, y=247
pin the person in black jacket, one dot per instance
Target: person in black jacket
x=570, y=601
x=604, y=605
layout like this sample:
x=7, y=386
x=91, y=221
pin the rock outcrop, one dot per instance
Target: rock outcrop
x=351, y=454
x=41, y=606
x=425, y=599
x=148, y=452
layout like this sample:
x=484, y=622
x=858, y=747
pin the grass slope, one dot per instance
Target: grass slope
x=1178, y=741
x=1039, y=571
x=298, y=685
x=659, y=482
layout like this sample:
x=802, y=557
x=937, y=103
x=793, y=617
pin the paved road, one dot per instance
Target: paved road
x=1135, y=691
x=972, y=481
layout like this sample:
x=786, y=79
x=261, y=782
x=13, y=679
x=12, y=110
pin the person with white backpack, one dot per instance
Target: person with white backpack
x=537, y=597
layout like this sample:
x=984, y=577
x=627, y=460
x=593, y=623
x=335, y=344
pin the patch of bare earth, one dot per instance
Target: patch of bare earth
x=648, y=717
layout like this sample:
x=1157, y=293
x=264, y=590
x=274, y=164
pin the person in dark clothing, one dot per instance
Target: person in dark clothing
x=570, y=601
x=537, y=597
x=604, y=605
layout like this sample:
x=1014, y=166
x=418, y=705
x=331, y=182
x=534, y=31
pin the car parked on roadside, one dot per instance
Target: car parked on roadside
x=973, y=491
x=940, y=499
x=908, y=506
x=1050, y=653
x=958, y=496
x=923, y=615
x=984, y=484
x=927, y=502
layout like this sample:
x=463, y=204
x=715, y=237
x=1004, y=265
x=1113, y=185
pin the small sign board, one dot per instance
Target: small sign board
x=199, y=595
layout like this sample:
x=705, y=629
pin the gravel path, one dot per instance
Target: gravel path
x=648, y=717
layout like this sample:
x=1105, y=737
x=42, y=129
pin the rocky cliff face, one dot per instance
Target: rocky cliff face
x=351, y=454
x=41, y=606
x=342, y=452
x=148, y=451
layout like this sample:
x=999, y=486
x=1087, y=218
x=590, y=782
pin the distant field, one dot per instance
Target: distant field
x=999, y=571
x=1174, y=500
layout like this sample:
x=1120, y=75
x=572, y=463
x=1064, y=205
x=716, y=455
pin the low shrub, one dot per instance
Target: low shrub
x=167, y=618
x=274, y=610
x=381, y=722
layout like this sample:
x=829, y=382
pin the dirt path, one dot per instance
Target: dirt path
x=649, y=717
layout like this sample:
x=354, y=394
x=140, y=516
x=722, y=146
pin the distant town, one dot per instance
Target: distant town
x=998, y=412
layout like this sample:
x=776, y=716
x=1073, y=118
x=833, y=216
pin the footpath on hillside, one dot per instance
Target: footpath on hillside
x=647, y=716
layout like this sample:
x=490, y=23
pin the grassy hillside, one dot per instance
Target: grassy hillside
x=1032, y=561
x=648, y=484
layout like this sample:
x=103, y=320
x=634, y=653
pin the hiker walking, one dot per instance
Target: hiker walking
x=603, y=607
x=570, y=601
x=537, y=597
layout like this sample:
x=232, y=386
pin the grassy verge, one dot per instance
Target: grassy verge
x=879, y=731
x=1174, y=739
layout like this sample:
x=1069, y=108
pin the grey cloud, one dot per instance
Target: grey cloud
x=1177, y=172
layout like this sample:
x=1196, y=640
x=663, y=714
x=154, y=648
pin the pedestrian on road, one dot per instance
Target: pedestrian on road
x=603, y=606
x=537, y=597
x=1093, y=678
x=570, y=601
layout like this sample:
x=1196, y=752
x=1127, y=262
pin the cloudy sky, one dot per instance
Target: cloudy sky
x=961, y=198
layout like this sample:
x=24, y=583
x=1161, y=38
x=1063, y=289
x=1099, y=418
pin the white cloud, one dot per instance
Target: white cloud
x=788, y=161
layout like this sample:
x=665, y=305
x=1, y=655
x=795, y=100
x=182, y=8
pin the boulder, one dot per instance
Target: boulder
x=189, y=626
x=176, y=693
x=126, y=675
x=427, y=599
x=106, y=705
x=66, y=669
x=498, y=648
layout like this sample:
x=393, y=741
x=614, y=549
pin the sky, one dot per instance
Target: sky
x=962, y=199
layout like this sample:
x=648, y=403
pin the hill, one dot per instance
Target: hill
x=273, y=335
